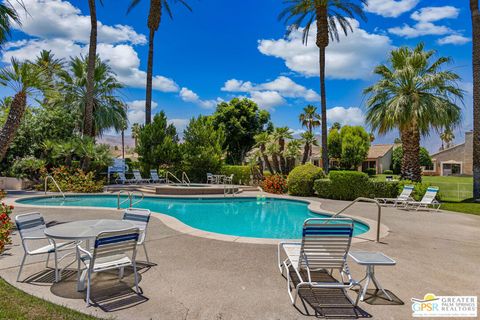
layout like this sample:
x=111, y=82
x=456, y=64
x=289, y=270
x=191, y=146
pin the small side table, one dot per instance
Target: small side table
x=370, y=260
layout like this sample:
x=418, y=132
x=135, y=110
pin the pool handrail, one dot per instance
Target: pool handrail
x=130, y=197
x=55, y=183
x=185, y=179
x=379, y=212
x=168, y=173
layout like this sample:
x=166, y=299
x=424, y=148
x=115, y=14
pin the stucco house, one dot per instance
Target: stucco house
x=456, y=160
x=379, y=157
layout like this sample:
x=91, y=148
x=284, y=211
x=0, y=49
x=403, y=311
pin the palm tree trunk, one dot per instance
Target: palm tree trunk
x=411, y=169
x=275, y=163
x=476, y=97
x=92, y=54
x=123, y=144
x=322, y=43
x=148, y=96
x=283, y=162
x=306, y=152
x=14, y=118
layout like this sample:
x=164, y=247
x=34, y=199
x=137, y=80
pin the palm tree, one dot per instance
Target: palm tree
x=476, y=97
x=50, y=68
x=153, y=22
x=136, y=133
x=124, y=127
x=273, y=149
x=292, y=151
x=309, y=140
x=310, y=119
x=108, y=109
x=413, y=95
x=23, y=79
x=7, y=16
x=88, y=128
x=447, y=137
x=280, y=134
x=329, y=15
x=261, y=141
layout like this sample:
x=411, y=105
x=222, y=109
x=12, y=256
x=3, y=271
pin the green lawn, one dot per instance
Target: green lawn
x=465, y=207
x=16, y=304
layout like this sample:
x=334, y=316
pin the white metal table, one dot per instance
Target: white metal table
x=370, y=260
x=85, y=230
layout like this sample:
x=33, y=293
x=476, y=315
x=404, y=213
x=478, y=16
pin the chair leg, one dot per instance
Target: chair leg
x=121, y=272
x=146, y=254
x=135, y=275
x=57, y=273
x=88, y=289
x=48, y=258
x=21, y=266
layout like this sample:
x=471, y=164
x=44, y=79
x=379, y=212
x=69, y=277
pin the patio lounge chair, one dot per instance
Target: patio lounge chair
x=427, y=200
x=324, y=248
x=210, y=178
x=138, y=177
x=122, y=179
x=403, y=198
x=111, y=251
x=140, y=218
x=154, y=178
x=31, y=227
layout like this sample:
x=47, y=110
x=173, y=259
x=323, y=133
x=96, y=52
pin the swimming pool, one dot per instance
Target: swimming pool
x=244, y=217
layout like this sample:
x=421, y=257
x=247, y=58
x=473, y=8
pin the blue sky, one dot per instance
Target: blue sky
x=234, y=48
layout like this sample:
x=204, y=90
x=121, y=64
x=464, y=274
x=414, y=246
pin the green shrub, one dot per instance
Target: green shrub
x=301, y=179
x=73, y=180
x=388, y=172
x=348, y=185
x=381, y=189
x=323, y=188
x=28, y=167
x=241, y=174
x=371, y=172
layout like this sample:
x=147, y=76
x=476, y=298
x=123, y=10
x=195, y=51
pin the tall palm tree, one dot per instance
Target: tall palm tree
x=447, y=137
x=309, y=140
x=292, y=151
x=329, y=16
x=7, y=16
x=280, y=134
x=50, y=68
x=136, y=133
x=261, y=141
x=153, y=22
x=310, y=119
x=23, y=79
x=414, y=95
x=476, y=97
x=109, y=111
x=88, y=128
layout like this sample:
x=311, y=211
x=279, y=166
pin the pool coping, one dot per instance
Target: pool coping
x=173, y=223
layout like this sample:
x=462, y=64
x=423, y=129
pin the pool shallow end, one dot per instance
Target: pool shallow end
x=172, y=222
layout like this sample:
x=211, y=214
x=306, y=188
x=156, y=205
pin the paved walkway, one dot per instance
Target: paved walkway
x=199, y=278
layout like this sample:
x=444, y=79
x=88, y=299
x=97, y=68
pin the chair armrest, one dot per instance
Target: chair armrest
x=80, y=249
x=35, y=238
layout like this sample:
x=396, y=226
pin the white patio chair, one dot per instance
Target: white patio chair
x=31, y=227
x=110, y=251
x=123, y=179
x=154, y=178
x=324, y=247
x=210, y=178
x=140, y=218
x=403, y=198
x=427, y=200
x=227, y=179
x=138, y=177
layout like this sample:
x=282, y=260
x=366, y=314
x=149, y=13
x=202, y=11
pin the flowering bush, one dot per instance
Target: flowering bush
x=3, y=194
x=5, y=225
x=73, y=180
x=274, y=184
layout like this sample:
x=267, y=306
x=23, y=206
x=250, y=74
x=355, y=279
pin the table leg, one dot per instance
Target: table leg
x=377, y=284
x=367, y=281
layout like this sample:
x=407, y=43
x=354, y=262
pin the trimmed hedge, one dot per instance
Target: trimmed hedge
x=349, y=185
x=240, y=173
x=371, y=172
x=388, y=172
x=301, y=179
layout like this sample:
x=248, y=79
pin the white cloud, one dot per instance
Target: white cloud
x=61, y=20
x=297, y=132
x=425, y=26
x=284, y=86
x=188, y=95
x=354, y=57
x=140, y=104
x=430, y=14
x=390, y=8
x=346, y=116
x=180, y=124
x=455, y=39
x=267, y=99
x=136, y=111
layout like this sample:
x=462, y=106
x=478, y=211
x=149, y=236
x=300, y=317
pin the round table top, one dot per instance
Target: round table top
x=85, y=229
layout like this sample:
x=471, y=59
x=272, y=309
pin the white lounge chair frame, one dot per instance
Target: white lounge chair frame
x=325, y=244
x=140, y=218
x=154, y=178
x=109, y=252
x=31, y=227
x=403, y=198
x=427, y=201
x=138, y=177
x=123, y=179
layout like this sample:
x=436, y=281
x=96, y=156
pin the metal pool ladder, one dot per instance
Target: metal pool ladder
x=185, y=180
x=379, y=212
x=55, y=183
x=130, y=198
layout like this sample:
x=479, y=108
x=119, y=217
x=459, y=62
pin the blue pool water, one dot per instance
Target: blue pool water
x=245, y=217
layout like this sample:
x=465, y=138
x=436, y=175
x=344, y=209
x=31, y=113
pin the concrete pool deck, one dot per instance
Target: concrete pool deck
x=201, y=278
